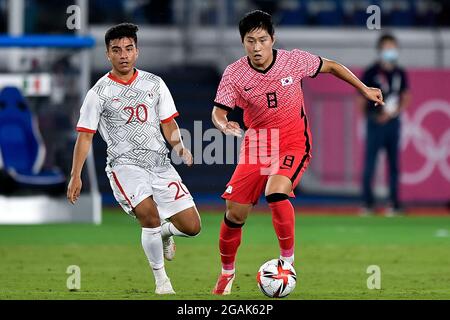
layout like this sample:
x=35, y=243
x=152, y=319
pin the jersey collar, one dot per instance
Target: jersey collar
x=266, y=69
x=114, y=78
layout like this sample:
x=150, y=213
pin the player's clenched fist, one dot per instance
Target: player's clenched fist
x=74, y=189
x=375, y=95
x=232, y=128
x=186, y=155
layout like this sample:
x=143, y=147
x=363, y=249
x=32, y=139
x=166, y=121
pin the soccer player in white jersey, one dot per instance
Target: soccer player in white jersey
x=129, y=107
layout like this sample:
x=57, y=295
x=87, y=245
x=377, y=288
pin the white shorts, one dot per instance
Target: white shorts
x=132, y=184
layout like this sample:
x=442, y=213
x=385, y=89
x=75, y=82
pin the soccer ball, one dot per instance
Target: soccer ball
x=276, y=278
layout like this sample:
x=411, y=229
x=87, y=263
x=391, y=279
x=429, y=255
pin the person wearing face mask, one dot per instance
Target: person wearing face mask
x=383, y=124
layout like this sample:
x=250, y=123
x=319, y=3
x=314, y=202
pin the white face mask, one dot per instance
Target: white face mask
x=389, y=55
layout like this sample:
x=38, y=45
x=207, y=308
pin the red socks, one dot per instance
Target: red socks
x=283, y=219
x=230, y=239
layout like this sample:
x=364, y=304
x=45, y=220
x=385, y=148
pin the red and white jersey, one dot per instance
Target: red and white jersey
x=128, y=117
x=272, y=98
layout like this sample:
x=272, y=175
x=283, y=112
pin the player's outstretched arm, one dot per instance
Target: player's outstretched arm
x=342, y=72
x=220, y=120
x=80, y=152
x=172, y=134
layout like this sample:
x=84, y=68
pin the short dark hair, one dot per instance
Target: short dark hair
x=123, y=30
x=385, y=37
x=256, y=19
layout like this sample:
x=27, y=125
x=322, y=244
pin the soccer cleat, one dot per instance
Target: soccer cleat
x=223, y=285
x=169, y=248
x=165, y=287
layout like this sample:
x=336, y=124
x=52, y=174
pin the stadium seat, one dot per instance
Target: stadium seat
x=293, y=12
x=398, y=13
x=22, y=151
x=355, y=11
x=427, y=13
x=325, y=12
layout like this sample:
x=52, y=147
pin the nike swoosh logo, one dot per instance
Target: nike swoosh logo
x=247, y=89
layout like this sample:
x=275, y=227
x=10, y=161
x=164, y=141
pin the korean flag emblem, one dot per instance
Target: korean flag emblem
x=286, y=81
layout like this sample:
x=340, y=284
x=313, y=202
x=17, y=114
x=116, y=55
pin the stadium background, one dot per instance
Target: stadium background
x=189, y=43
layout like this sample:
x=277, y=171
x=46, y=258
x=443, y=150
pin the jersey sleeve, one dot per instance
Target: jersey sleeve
x=308, y=64
x=90, y=113
x=166, y=106
x=226, y=96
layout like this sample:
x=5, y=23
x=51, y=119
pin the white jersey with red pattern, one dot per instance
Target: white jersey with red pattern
x=128, y=117
x=272, y=98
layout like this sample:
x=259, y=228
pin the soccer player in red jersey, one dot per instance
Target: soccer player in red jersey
x=266, y=84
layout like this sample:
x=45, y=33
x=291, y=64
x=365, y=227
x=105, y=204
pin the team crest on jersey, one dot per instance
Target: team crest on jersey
x=229, y=189
x=287, y=81
x=150, y=97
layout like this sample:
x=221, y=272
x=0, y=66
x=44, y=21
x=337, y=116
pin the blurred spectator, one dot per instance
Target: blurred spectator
x=383, y=122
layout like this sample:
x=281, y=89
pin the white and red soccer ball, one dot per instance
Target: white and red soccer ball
x=276, y=278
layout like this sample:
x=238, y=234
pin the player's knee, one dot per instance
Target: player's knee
x=148, y=221
x=193, y=230
x=236, y=214
x=235, y=217
x=276, y=197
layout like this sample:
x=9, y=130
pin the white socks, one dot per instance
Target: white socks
x=153, y=248
x=288, y=259
x=168, y=230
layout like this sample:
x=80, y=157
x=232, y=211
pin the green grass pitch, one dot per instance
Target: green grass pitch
x=332, y=256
